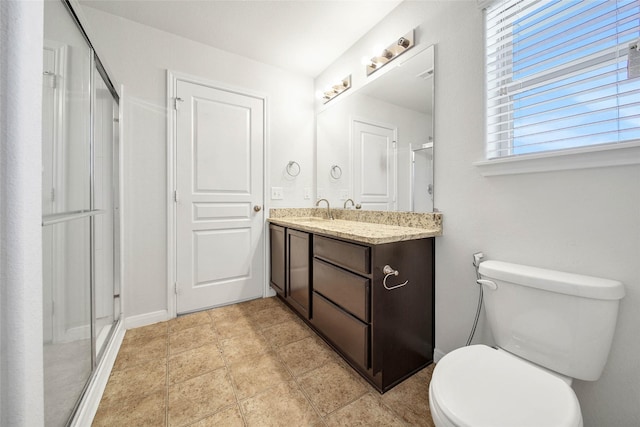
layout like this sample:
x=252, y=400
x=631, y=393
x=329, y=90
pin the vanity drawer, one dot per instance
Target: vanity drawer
x=348, y=255
x=345, y=289
x=347, y=333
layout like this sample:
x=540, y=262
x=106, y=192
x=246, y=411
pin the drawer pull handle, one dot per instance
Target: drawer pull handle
x=389, y=271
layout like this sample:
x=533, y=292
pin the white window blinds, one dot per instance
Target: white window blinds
x=557, y=75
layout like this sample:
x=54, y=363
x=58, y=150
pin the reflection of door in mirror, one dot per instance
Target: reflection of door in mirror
x=422, y=178
x=402, y=96
x=374, y=165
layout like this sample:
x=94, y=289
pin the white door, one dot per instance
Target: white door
x=374, y=165
x=219, y=183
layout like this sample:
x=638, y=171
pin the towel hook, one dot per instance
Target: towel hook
x=389, y=271
x=336, y=172
x=293, y=168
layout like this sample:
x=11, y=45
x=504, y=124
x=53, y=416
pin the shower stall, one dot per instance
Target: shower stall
x=80, y=212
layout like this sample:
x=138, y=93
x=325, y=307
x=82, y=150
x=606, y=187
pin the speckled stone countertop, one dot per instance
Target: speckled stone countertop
x=373, y=227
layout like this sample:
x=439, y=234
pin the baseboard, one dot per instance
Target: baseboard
x=77, y=333
x=91, y=400
x=437, y=355
x=146, y=319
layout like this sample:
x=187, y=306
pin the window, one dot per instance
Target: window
x=558, y=75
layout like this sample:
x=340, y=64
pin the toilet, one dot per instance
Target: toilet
x=549, y=327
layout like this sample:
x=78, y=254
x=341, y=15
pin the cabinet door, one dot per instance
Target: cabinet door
x=278, y=268
x=299, y=270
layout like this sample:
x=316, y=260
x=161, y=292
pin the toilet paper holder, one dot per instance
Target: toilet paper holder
x=389, y=271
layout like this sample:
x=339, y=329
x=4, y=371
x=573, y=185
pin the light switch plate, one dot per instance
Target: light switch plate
x=277, y=193
x=344, y=194
x=307, y=193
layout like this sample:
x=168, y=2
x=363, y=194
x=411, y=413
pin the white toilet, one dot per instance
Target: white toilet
x=549, y=327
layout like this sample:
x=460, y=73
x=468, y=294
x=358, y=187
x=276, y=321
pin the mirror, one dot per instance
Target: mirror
x=375, y=145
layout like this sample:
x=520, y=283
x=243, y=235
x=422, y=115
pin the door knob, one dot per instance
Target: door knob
x=257, y=208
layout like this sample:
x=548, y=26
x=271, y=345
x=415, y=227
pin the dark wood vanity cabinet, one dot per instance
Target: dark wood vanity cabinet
x=298, y=250
x=277, y=258
x=385, y=334
x=290, y=261
x=341, y=297
x=402, y=319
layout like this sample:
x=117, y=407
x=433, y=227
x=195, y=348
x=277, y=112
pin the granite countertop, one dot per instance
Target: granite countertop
x=386, y=231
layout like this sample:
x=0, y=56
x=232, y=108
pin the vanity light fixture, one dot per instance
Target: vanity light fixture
x=391, y=52
x=335, y=89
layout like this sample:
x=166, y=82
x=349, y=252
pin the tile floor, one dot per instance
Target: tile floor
x=249, y=364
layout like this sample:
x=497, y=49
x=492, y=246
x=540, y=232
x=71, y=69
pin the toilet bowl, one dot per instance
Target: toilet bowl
x=479, y=386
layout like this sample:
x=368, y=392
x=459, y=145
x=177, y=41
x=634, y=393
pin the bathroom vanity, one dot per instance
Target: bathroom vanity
x=332, y=274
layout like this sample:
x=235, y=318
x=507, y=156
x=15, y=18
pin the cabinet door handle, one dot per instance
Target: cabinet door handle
x=257, y=208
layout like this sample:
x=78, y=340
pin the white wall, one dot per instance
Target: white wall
x=138, y=57
x=21, y=362
x=585, y=221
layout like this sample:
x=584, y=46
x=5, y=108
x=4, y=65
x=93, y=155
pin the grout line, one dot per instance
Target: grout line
x=295, y=379
x=222, y=409
x=216, y=342
x=338, y=360
x=227, y=365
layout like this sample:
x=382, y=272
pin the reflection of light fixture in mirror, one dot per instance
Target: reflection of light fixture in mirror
x=335, y=89
x=384, y=56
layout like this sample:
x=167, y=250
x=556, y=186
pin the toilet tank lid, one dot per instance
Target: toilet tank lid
x=553, y=281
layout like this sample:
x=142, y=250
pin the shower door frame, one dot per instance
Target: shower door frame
x=101, y=360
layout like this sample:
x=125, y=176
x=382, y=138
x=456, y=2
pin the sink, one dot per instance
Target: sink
x=310, y=219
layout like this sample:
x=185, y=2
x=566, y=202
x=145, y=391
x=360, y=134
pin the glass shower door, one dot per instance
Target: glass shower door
x=79, y=213
x=105, y=186
x=68, y=351
x=66, y=231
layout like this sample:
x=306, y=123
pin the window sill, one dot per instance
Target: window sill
x=627, y=153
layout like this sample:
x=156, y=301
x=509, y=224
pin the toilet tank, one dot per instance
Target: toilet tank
x=561, y=321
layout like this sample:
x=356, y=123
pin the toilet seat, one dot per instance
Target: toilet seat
x=479, y=386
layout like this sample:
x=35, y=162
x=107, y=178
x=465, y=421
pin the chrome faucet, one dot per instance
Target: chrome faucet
x=329, y=216
x=349, y=200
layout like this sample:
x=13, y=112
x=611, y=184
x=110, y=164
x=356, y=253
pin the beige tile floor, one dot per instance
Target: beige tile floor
x=249, y=364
